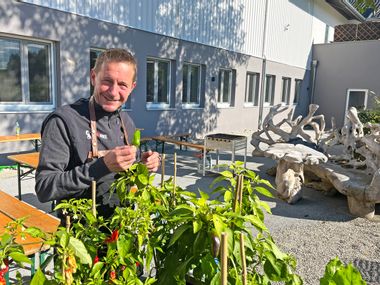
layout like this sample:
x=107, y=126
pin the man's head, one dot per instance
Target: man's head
x=113, y=78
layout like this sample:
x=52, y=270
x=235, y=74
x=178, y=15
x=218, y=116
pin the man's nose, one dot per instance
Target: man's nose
x=114, y=89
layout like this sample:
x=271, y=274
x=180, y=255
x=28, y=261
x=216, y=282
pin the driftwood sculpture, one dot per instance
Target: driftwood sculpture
x=353, y=166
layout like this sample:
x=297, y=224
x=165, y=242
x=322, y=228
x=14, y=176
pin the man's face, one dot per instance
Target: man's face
x=113, y=84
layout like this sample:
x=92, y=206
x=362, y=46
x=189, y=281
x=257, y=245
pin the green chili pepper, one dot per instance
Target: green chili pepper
x=136, y=138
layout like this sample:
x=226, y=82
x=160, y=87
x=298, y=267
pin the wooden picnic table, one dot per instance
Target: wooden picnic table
x=11, y=209
x=28, y=160
x=36, y=137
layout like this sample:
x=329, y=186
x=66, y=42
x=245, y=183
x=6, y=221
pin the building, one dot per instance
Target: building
x=203, y=66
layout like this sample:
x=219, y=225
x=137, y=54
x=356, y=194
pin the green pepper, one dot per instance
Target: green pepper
x=136, y=138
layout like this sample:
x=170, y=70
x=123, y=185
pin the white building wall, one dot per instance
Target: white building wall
x=324, y=19
x=235, y=25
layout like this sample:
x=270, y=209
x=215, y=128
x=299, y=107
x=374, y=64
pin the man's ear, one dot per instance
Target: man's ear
x=134, y=85
x=92, y=77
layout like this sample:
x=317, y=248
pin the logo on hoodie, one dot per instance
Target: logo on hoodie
x=98, y=135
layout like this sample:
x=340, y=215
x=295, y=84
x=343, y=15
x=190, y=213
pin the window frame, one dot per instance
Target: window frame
x=272, y=89
x=222, y=104
x=26, y=105
x=158, y=105
x=187, y=104
x=256, y=88
x=285, y=93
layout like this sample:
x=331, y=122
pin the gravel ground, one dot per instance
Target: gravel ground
x=315, y=230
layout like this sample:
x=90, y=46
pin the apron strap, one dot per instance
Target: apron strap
x=95, y=153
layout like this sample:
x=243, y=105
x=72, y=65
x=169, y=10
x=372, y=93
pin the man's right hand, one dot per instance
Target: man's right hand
x=120, y=158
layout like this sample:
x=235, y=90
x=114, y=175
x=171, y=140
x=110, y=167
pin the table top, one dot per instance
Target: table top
x=297, y=153
x=21, y=137
x=30, y=159
x=11, y=208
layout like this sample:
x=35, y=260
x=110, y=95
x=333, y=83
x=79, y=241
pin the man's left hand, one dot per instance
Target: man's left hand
x=151, y=159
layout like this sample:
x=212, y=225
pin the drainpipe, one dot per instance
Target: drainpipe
x=264, y=67
x=313, y=75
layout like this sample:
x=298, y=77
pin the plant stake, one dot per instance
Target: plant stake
x=238, y=193
x=243, y=262
x=224, y=254
x=162, y=169
x=175, y=177
x=93, y=189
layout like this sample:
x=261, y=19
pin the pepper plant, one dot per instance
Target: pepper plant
x=173, y=233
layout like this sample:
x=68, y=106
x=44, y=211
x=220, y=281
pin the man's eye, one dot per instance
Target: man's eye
x=123, y=86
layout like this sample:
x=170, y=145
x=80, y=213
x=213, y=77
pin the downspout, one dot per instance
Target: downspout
x=264, y=67
x=314, y=66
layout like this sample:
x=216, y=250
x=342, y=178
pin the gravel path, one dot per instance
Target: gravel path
x=319, y=228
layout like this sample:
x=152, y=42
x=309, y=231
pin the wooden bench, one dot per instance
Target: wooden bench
x=183, y=137
x=11, y=209
x=29, y=160
x=35, y=137
x=166, y=139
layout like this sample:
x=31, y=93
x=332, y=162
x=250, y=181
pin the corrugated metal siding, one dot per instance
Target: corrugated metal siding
x=236, y=25
x=289, y=36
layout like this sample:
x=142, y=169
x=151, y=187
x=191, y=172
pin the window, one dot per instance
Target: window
x=158, y=83
x=191, y=85
x=252, y=89
x=94, y=53
x=297, y=91
x=269, y=89
x=285, y=98
x=225, y=88
x=357, y=98
x=26, y=79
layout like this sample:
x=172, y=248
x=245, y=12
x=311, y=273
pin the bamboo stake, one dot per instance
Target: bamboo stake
x=224, y=254
x=175, y=177
x=93, y=190
x=68, y=223
x=238, y=191
x=243, y=261
x=241, y=184
x=162, y=169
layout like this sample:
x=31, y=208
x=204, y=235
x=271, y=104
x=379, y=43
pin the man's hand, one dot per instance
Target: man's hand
x=120, y=158
x=151, y=159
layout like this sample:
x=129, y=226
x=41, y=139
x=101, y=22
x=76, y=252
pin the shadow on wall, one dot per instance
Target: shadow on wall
x=226, y=35
x=74, y=35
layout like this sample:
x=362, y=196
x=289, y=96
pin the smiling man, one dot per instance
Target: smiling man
x=91, y=138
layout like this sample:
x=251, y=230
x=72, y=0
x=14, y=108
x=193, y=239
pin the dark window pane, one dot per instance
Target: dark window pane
x=10, y=71
x=226, y=86
x=194, y=90
x=184, y=83
x=297, y=91
x=38, y=62
x=250, y=87
x=220, y=84
x=150, y=82
x=163, y=75
x=93, y=56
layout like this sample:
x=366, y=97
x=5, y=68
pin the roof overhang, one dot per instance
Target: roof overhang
x=346, y=9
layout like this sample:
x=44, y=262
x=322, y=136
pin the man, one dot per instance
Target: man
x=91, y=138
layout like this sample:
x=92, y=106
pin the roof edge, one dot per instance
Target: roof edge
x=346, y=9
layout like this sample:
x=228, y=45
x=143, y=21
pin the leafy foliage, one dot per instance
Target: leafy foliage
x=337, y=273
x=174, y=234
